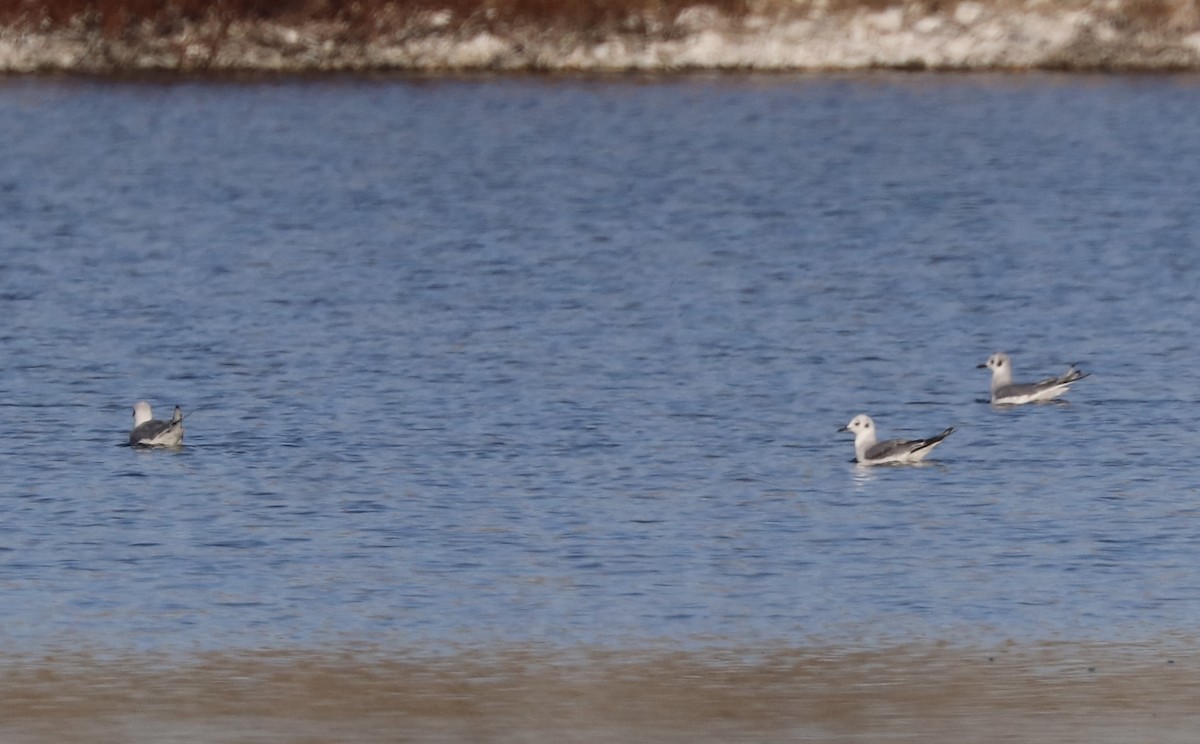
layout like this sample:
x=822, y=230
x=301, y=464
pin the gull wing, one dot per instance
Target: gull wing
x=892, y=448
x=150, y=432
x=1034, y=390
x=903, y=447
x=1072, y=374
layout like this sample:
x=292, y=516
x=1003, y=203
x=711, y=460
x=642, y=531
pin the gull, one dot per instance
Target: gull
x=894, y=451
x=1004, y=392
x=148, y=432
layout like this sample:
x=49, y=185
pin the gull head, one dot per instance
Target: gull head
x=1001, y=367
x=860, y=424
x=996, y=362
x=141, y=413
x=864, y=434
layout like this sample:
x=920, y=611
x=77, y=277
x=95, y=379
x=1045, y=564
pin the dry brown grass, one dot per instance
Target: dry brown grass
x=224, y=35
x=1140, y=14
x=115, y=16
x=112, y=18
x=1160, y=15
x=365, y=19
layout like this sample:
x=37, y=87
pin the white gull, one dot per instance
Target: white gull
x=891, y=452
x=1005, y=392
x=149, y=432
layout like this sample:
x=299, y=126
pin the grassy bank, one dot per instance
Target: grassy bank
x=361, y=20
x=105, y=36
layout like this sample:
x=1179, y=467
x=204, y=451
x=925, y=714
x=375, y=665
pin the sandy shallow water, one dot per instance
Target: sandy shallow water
x=1059, y=692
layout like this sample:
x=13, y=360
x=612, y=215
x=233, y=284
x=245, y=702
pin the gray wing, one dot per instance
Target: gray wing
x=893, y=447
x=1030, y=388
x=1071, y=375
x=151, y=429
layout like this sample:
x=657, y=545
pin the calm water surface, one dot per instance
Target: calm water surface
x=480, y=362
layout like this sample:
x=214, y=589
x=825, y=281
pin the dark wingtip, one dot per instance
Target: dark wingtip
x=1074, y=374
x=935, y=439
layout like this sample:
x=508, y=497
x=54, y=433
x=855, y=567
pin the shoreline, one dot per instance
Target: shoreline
x=925, y=692
x=966, y=36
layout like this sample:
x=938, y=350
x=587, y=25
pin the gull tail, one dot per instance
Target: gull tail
x=179, y=416
x=1072, y=374
x=934, y=440
x=176, y=422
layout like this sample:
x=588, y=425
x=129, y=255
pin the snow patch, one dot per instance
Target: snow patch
x=887, y=21
x=928, y=25
x=485, y=50
x=438, y=18
x=967, y=13
x=697, y=17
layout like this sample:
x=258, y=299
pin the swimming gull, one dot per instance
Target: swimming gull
x=148, y=432
x=894, y=451
x=1004, y=392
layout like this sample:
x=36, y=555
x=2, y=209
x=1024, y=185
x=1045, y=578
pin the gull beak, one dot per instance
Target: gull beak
x=981, y=366
x=845, y=428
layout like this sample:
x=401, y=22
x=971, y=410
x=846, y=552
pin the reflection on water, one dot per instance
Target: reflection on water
x=935, y=694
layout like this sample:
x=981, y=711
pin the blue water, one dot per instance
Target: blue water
x=478, y=362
